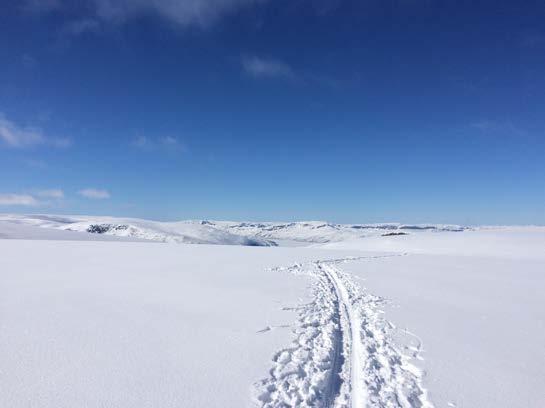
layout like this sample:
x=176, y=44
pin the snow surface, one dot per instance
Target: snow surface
x=115, y=324
x=432, y=318
x=475, y=303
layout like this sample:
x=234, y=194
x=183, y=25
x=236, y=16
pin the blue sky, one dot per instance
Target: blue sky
x=348, y=111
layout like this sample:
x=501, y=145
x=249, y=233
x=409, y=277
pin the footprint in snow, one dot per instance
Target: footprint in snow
x=269, y=328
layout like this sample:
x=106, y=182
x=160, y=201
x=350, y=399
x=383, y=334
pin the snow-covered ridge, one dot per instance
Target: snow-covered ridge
x=187, y=232
x=324, y=232
x=223, y=232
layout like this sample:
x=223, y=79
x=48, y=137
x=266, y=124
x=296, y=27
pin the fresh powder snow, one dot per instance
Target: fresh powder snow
x=102, y=311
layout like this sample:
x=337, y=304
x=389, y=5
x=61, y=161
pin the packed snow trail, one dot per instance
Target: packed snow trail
x=356, y=382
x=343, y=354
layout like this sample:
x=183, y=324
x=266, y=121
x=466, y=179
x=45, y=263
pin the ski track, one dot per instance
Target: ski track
x=343, y=354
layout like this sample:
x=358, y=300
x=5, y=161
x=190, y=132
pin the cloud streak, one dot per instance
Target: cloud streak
x=56, y=194
x=182, y=12
x=94, y=194
x=33, y=199
x=266, y=68
x=16, y=136
x=161, y=143
x=79, y=27
x=18, y=200
x=141, y=142
x=269, y=68
x=41, y=6
x=498, y=128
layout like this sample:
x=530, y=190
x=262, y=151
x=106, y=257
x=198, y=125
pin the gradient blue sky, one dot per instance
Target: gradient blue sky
x=348, y=111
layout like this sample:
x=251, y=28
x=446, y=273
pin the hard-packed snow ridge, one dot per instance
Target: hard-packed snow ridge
x=343, y=354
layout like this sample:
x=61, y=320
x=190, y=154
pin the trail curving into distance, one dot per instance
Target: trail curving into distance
x=342, y=354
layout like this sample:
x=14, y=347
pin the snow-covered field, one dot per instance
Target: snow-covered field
x=356, y=315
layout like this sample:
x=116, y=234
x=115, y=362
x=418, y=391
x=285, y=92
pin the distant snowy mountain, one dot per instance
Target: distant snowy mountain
x=188, y=232
x=221, y=232
x=320, y=231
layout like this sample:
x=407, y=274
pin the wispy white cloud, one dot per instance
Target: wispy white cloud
x=140, y=142
x=18, y=199
x=33, y=198
x=182, y=12
x=14, y=135
x=78, y=27
x=17, y=136
x=499, y=128
x=483, y=125
x=169, y=143
x=268, y=68
x=55, y=193
x=94, y=193
x=41, y=6
x=28, y=61
x=258, y=67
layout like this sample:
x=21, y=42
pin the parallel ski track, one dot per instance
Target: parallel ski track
x=342, y=356
x=352, y=332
